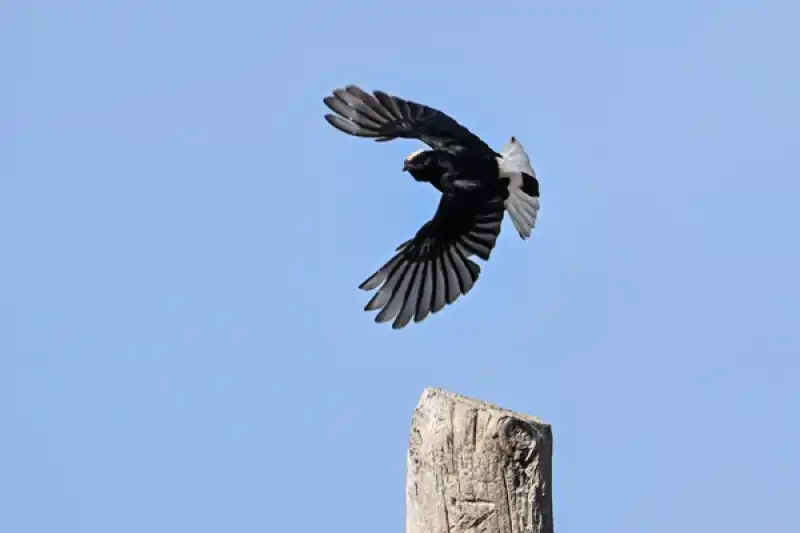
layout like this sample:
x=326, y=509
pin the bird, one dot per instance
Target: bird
x=478, y=186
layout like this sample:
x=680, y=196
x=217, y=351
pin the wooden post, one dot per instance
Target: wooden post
x=474, y=467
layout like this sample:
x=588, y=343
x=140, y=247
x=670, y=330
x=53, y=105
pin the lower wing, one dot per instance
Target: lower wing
x=434, y=268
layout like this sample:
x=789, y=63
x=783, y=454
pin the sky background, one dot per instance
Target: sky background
x=182, y=340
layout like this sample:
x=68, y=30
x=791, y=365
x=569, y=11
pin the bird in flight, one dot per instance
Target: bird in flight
x=478, y=186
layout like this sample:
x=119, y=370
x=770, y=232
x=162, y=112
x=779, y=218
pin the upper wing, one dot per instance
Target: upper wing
x=433, y=268
x=385, y=117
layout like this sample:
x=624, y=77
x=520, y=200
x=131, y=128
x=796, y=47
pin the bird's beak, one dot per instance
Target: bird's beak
x=405, y=166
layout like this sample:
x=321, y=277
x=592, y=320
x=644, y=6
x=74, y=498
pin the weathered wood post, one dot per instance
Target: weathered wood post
x=474, y=467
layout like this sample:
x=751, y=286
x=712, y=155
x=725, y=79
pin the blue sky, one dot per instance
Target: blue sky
x=182, y=341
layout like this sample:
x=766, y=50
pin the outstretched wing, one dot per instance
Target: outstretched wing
x=385, y=117
x=434, y=268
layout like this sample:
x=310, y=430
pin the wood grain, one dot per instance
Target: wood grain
x=474, y=467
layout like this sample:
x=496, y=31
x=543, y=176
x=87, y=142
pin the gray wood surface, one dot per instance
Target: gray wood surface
x=474, y=467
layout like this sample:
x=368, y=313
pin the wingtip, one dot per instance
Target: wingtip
x=371, y=283
x=398, y=325
x=345, y=88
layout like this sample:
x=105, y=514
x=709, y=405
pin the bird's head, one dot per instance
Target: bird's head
x=418, y=160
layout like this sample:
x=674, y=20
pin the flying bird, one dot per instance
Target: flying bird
x=478, y=186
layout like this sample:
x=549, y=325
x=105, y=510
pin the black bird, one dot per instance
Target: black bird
x=434, y=268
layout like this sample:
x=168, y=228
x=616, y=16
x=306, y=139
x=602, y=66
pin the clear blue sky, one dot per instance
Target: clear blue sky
x=182, y=340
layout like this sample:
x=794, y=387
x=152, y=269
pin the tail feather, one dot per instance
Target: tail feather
x=522, y=204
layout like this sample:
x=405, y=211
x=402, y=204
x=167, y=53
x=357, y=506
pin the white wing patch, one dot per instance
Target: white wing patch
x=523, y=208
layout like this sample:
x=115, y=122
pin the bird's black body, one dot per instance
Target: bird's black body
x=453, y=173
x=434, y=268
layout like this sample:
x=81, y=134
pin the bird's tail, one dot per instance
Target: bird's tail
x=523, y=190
